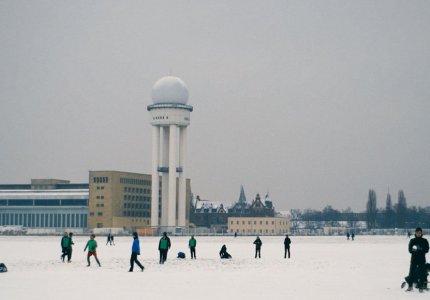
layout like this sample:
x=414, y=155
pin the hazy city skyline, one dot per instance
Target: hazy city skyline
x=315, y=101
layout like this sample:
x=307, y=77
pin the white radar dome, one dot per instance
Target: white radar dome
x=170, y=89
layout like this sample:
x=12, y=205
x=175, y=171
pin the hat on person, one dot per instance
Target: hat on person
x=418, y=229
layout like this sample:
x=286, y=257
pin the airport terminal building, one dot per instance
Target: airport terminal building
x=45, y=203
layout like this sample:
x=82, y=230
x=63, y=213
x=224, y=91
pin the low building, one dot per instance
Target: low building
x=45, y=203
x=259, y=225
x=204, y=213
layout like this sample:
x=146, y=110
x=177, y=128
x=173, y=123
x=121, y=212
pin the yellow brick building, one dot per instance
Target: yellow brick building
x=119, y=200
x=259, y=225
x=123, y=200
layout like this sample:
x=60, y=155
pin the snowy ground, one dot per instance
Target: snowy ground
x=319, y=268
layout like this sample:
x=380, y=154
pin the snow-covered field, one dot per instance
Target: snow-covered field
x=319, y=268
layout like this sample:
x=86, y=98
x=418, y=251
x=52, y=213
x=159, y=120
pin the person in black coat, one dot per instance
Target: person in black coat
x=418, y=247
x=258, y=244
x=287, y=243
x=223, y=252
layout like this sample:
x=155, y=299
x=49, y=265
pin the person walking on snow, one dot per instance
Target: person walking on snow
x=92, y=247
x=65, y=244
x=192, y=245
x=135, y=251
x=287, y=243
x=258, y=244
x=69, y=249
x=164, y=247
x=418, y=247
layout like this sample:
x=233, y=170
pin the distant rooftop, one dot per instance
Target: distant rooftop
x=45, y=184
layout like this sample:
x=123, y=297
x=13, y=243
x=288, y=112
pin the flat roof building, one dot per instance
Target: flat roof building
x=45, y=203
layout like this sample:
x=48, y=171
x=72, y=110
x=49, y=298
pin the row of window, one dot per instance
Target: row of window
x=137, y=205
x=100, y=205
x=98, y=214
x=44, y=220
x=249, y=222
x=100, y=197
x=128, y=213
x=255, y=231
x=100, y=187
x=135, y=181
x=137, y=198
x=160, y=118
x=261, y=222
x=136, y=190
x=100, y=179
x=43, y=202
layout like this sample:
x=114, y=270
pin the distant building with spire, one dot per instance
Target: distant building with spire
x=254, y=209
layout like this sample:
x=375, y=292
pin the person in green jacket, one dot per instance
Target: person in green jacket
x=164, y=247
x=92, y=246
x=65, y=245
x=192, y=245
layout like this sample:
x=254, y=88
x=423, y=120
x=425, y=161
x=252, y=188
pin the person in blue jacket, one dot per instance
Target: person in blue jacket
x=135, y=251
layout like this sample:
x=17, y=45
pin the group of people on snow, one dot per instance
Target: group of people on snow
x=352, y=235
x=418, y=248
x=163, y=248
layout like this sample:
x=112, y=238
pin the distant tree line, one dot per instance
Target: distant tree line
x=397, y=215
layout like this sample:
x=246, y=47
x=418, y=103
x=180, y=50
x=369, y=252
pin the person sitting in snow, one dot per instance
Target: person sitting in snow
x=223, y=252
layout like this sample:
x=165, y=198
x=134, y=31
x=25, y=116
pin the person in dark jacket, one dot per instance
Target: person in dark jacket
x=163, y=247
x=65, y=245
x=287, y=243
x=258, y=244
x=418, y=247
x=223, y=253
x=109, y=239
x=3, y=268
x=135, y=251
x=192, y=244
x=69, y=250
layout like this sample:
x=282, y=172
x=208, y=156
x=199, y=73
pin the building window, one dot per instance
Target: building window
x=267, y=222
x=91, y=214
x=99, y=214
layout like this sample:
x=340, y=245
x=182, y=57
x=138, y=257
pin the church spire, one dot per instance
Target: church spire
x=242, y=198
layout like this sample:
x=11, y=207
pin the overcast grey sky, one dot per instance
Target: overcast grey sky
x=317, y=101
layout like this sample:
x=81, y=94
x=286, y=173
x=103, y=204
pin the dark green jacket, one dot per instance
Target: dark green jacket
x=164, y=243
x=192, y=242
